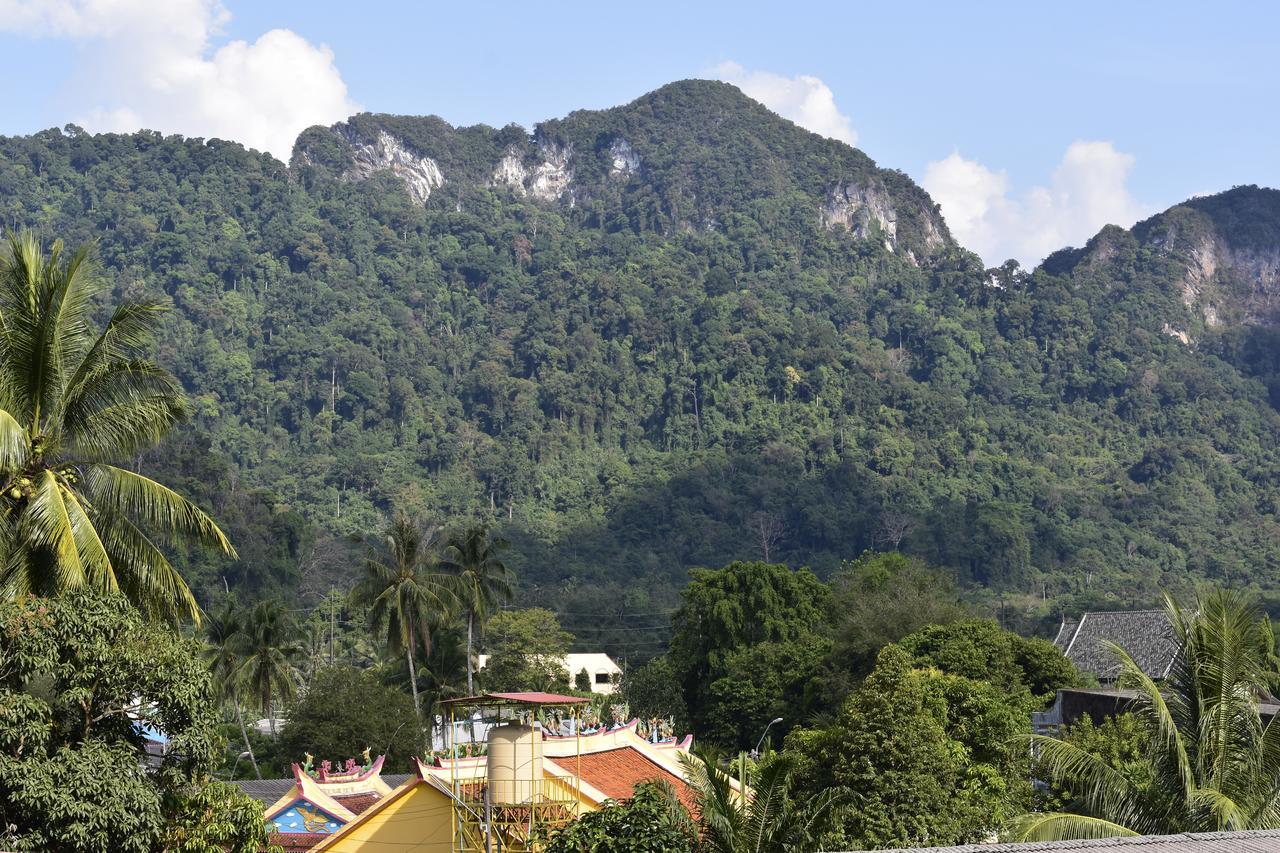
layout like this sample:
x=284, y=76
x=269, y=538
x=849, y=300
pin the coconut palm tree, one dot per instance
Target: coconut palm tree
x=1210, y=764
x=404, y=592
x=225, y=643
x=481, y=579
x=73, y=400
x=766, y=820
x=267, y=667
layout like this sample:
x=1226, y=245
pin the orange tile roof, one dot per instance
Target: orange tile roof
x=616, y=772
x=358, y=802
x=297, y=842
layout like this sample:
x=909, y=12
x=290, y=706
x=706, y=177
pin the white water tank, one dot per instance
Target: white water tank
x=515, y=764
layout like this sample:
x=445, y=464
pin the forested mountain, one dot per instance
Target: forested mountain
x=676, y=333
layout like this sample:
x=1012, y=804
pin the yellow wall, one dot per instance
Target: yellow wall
x=416, y=821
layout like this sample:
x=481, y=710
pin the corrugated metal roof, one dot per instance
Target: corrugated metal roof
x=1255, y=841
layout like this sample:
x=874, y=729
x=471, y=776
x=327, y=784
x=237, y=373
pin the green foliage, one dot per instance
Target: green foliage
x=526, y=652
x=979, y=649
x=928, y=757
x=652, y=690
x=767, y=819
x=333, y=720
x=652, y=820
x=73, y=399
x=677, y=369
x=747, y=639
x=405, y=593
x=876, y=600
x=1207, y=763
x=582, y=681
x=71, y=777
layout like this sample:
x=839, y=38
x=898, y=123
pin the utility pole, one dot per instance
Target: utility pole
x=333, y=606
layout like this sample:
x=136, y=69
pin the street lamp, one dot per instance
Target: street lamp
x=755, y=753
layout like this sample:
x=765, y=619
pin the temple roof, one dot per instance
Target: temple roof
x=1145, y=634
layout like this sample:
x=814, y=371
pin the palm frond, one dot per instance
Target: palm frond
x=154, y=505
x=1059, y=826
x=15, y=445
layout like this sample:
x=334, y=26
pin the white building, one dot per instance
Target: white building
x=602, y=669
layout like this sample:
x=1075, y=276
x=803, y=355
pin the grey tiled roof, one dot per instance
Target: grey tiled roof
x=1257, y=841
x=267, y=791
x=1144, y=634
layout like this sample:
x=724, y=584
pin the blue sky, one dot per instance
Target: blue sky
x=1032, y=124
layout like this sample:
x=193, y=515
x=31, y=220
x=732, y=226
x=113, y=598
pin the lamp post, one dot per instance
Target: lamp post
x=755, y=753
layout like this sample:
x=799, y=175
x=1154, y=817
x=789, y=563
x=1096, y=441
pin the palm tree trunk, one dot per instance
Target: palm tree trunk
x=245, y=733
x=471, y=616
x=413, y=686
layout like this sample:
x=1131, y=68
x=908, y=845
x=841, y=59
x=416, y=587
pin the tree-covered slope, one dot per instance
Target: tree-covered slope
x=669, y=334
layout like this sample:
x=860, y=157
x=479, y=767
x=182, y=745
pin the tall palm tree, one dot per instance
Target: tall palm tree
x=482, y=581
x=267, y=668
x=403, y=592
x=766, y=819
x=73, y=400
x=1210, y=764
x=225, y=643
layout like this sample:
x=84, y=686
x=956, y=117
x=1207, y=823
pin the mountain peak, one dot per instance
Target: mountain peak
x=691, y=155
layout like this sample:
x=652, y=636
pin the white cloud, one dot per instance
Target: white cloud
x=153, y=64
x=1087, y=190
x=804, y=99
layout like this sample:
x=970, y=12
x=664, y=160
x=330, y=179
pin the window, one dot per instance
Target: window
x=603, y=678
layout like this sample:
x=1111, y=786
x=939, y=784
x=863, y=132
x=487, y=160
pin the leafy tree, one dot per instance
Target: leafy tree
x=267, y=669
x=652, y=820
x=1208, y=763
x=71, y=402
x=225, y=643
x=876, y=600
x=737, y=626
x=333, y=719
x=483, y=581
x=979, y=649
x=916, y=749
x=652, y=690
x=78, y=669
x=582, y=681
x=404, y=592
x=526, y=652
x=765, y=820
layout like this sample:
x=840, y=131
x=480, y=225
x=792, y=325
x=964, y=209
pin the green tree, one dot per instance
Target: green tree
x=764, y=821
x=526, y=652
x=733, y=626
x=1208, y=764
x=225, y=643
x=652, y=820
x=482, y=579
x=82, y=675
x=404, y=592
x=652, y=690
x=333, y=719
x=268, y=670
x=980, y=649
x=915, y=748
x=71, y=402
x=878, y=599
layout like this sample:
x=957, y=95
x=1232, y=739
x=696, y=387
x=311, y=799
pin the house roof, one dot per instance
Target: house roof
x=1256, y=841
x=267, y=791
x=1144, y=634
x=616, y=772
